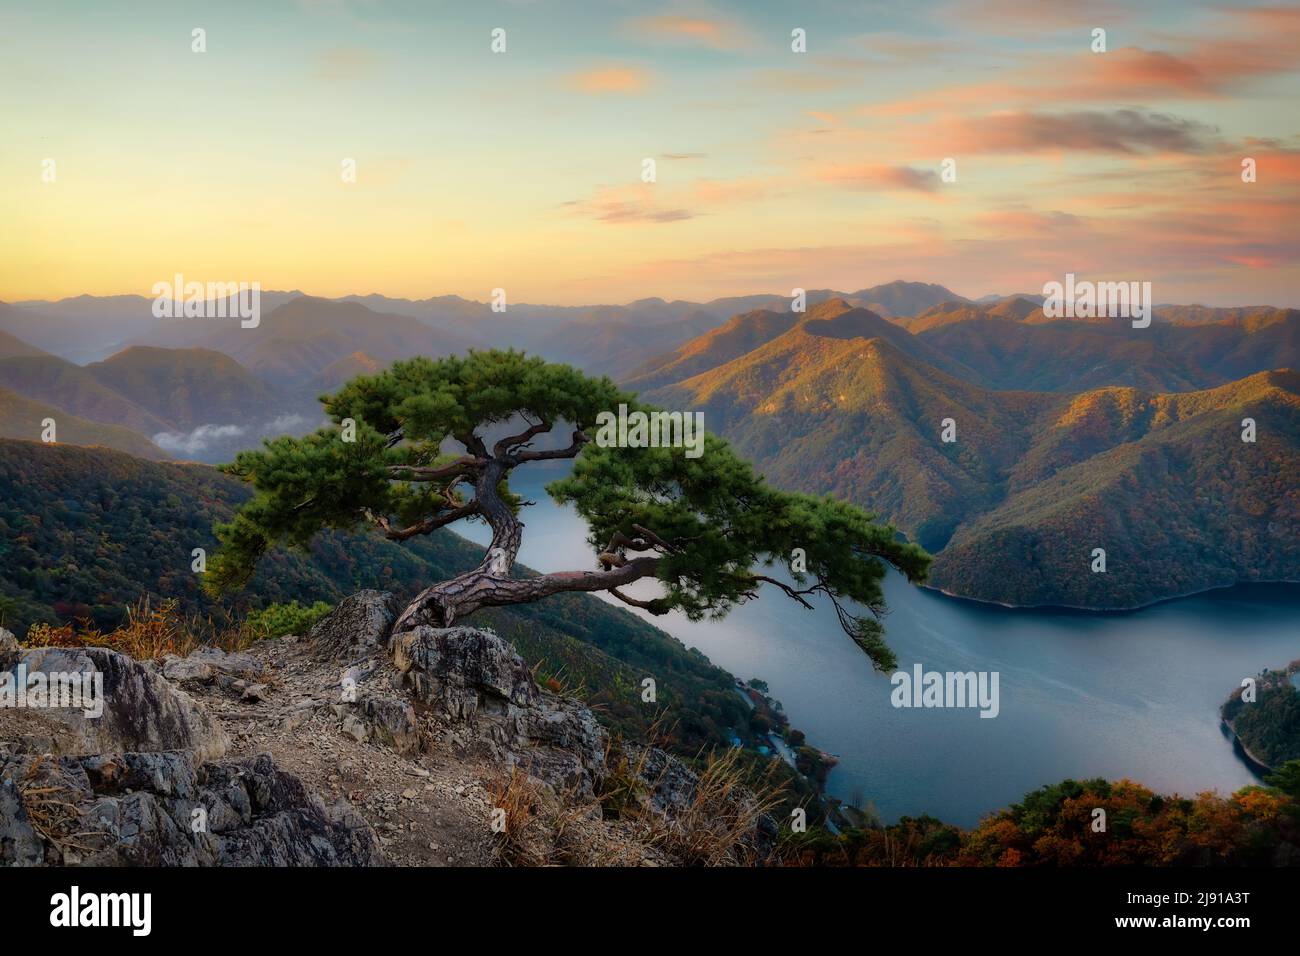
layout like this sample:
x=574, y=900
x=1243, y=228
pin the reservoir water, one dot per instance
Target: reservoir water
x=1082, y=695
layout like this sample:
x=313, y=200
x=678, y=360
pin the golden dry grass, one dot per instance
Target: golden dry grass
x=150, y=633
x=718, y=827
x=518, y=826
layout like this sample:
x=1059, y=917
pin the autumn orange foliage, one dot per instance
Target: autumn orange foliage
x=1060, y=825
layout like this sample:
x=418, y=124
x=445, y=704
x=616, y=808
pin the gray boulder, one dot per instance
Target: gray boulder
x=165, y=809
x=8, y=643
x=386, y=720
x=464, y=671
x=560, y=741
x=185, y=670
x=212, y=665
x=672, y=786
x=141, y=710
x=355, y=628
x=141, y=784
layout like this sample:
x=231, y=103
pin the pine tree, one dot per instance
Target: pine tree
x=706, y=528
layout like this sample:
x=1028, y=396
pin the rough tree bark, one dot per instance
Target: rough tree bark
x=489, y=584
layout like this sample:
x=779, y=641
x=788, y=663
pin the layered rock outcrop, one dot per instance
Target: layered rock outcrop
x=143, y=783
x=175, y=770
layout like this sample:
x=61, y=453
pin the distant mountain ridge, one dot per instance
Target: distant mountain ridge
x=13, y=347
x=618, y=340
x=751, y=330
x=90, y=328
x=901, y=298
x=298, y=339
x=186, y=387
x=58, y=382
x=195, y=403
x=1013, y=347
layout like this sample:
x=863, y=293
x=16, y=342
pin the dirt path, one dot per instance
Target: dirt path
x=430, y=809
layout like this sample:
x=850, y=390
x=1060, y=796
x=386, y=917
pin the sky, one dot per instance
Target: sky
x=773, y=169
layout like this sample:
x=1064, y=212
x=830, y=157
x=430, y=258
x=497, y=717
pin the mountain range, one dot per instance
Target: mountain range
x=1069, y=433
x=1034, y=480
x=601, y=338
x=206, y=388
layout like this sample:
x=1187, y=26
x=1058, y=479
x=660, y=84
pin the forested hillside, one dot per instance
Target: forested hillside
x=23, y=418
x=1005, y=352
x=1032, y=482
x=187, y=387
x=1268, y=726
x=1053, y=826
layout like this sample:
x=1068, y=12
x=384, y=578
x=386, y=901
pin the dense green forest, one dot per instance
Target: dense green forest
x=1268, y=726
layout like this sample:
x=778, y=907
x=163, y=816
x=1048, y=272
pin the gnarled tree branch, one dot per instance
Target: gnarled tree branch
x=464, y=466
x=551, y=454
x=501, y=447
x=426, y=525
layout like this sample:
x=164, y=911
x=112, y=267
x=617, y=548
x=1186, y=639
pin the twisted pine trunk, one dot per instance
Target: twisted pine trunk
x=489, y=584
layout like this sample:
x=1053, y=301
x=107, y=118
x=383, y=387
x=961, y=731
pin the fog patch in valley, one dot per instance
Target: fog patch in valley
x=221, y=440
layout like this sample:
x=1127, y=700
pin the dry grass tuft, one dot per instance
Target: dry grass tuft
x=150, y=633
x=624, y=791
x=546, y=827
x=521, y=839
x=720, y=825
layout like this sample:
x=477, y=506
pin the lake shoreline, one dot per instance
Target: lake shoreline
x=1257, y=766
x=1101, y=611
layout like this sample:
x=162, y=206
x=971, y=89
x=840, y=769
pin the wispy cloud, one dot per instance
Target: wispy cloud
x=1118, y=131
x=1191, y=250
x=1252, y=44
x=284, y=423
x=619, y=205
x=609, y=79
x=880, y=177
x=1066, y=159
x=715, y=32
x=662, y=202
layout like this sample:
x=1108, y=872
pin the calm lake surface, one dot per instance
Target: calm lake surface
x=1082, y=695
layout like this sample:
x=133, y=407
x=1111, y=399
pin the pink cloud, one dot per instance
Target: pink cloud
x=621, y=205
x=1252, y=44
x=1232, y=245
